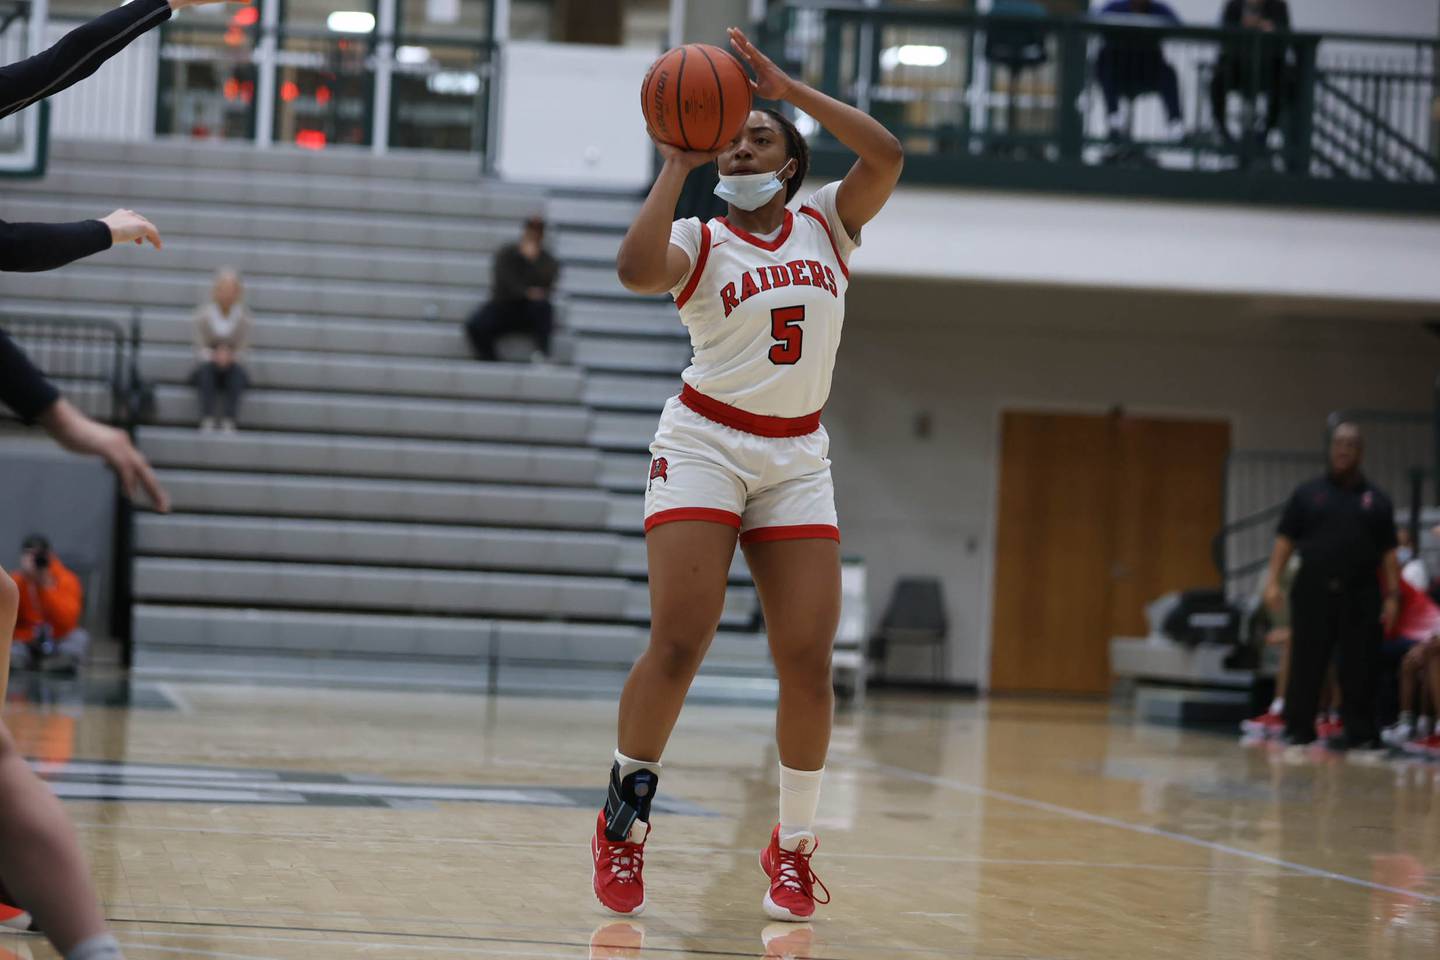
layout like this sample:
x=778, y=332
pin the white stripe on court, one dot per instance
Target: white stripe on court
x=960, y=786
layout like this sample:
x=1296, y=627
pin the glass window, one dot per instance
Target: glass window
x=207, y=75
x=647, y=22
x=444, y=18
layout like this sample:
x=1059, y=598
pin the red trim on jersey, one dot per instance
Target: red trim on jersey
x=744, y=420
x=771, y=245
x=700, y=262
x=704, y=514
x=819, y=218
x=799, y=531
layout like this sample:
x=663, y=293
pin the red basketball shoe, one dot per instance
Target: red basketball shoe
x=791, y=896
x=12, y=917
x=619, y=869
x=1266, y=726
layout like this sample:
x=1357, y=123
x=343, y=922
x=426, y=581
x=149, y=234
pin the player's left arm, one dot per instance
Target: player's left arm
x=870, y=182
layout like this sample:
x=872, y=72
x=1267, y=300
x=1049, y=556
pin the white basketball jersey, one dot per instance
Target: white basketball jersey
x=765, y=315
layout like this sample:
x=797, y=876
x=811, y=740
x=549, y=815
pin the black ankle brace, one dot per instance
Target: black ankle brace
x=628, y=801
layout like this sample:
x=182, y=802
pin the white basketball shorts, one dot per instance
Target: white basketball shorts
x=768, y=477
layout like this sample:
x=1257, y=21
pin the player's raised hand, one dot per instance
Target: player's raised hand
x=770, y=83
x=685, y=159
x=127, y=225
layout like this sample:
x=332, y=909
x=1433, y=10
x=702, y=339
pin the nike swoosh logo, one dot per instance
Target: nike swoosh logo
x=718, y=242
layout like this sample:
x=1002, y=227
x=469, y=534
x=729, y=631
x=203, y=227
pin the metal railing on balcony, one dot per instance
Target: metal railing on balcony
x=1125, y=105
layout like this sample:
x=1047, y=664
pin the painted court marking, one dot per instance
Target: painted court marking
x=960, y=786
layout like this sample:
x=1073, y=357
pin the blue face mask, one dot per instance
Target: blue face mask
x=750, y=191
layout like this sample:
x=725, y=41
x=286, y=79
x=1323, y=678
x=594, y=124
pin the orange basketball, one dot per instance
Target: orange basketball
x=696, y=97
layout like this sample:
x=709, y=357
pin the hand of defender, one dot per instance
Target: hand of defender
x=126, y=225
x=770, y=83
x=79, y=434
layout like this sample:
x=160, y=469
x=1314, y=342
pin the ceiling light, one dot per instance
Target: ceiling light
x=913, y=55
x=351, y=21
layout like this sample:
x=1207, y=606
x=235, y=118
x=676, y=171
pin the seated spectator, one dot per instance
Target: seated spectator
x=1411, y=656
x=525, y=275
x=222, y=334
x=1413, y=568
x=1132, y=64
x=48, y=634
x=1251, y=66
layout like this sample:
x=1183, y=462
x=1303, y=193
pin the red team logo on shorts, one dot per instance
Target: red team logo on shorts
x=658, y=470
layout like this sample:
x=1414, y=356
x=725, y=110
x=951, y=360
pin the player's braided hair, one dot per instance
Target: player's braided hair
x=798, y=149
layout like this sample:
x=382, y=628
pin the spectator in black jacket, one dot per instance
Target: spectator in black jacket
x=1253, y=65
x=40, y=858
x=525, y=275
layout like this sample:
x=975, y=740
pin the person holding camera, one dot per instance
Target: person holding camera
x=47, y=634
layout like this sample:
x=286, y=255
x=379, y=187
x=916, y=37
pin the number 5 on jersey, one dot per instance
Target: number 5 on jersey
x=785, y=328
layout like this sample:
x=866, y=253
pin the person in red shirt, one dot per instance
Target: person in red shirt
x=48, y=634
x=1415, y=643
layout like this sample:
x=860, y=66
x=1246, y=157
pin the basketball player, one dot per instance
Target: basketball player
x=740, y=456
x=40, y=857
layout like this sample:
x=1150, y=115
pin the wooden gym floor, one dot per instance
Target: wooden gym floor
x=257, y=822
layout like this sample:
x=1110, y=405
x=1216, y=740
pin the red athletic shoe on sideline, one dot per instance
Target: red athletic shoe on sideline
x=16, y=919
x=1267, y=725
x=619, y=877
x=1327, y=729
x=1428, y=747
x=791, y=896
x=12, y=917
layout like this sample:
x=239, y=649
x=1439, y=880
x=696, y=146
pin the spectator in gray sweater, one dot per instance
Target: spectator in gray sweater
x=222, y=334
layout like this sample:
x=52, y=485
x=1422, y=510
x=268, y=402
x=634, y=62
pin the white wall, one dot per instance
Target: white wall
x=118, y=102
x=559, y=117
x=1150, y=245
x=963, y=353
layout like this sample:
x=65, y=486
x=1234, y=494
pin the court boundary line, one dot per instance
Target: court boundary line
x=961, y=786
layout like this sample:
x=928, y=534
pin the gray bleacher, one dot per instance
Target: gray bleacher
x=387, y=500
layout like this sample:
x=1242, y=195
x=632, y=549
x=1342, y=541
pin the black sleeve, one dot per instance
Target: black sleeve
x=1292, y=521
x=1385, y=536
x=509, y=276
x=31, y=247
x=23, y=388
x=77, y=55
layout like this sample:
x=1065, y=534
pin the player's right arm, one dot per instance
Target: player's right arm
x=648, y=262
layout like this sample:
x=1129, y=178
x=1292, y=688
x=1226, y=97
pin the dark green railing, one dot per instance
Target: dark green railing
x=1020, y=102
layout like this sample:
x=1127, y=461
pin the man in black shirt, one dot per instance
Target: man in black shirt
x=525, y=273
x=1344, y=528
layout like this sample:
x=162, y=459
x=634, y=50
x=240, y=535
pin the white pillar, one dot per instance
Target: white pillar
x=384, y=77
x=677, y=24
x=265, y=67
x=500, y=21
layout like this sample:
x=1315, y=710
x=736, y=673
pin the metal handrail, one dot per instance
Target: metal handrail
x=851, y=9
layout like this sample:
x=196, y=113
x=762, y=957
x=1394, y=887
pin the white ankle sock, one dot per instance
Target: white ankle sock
x=629, y=765
x=1277, y=706
x=799, y=798
x=102, y=947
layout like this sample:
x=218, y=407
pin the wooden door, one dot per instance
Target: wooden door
x=1098, y=515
